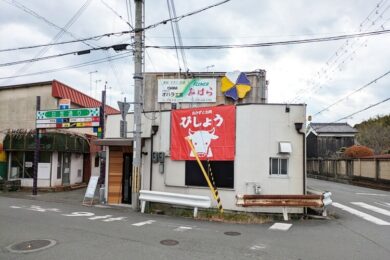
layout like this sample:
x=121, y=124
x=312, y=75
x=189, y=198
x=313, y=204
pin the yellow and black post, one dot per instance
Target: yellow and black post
x=212, y=187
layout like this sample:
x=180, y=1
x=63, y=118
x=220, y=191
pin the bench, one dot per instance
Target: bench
x=194, y=201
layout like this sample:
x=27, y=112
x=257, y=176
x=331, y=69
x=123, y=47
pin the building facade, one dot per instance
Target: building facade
x=63, y=161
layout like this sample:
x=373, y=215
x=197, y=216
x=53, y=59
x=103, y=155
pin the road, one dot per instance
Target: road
x=119, y=233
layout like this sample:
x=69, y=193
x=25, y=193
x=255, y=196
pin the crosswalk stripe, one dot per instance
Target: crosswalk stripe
x=373, y=208
x=363, y=215
x=281, y=226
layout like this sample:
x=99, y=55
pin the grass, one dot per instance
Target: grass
x=214, y=214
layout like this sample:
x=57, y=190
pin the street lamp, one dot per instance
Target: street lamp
x=90, y=80
x=209, y=67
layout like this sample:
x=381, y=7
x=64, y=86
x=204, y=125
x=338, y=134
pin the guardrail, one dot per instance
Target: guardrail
x=286, y=201
x=194, y=201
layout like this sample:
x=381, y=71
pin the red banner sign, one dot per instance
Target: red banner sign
x=212, y=131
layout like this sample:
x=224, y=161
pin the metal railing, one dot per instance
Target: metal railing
x=194, y=201
x=286, y=201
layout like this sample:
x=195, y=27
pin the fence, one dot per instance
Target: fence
x=377, y=169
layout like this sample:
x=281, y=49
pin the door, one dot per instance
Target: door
x=66, y=168
x=126, y=181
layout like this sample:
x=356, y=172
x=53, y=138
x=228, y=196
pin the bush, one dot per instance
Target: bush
x=358, y=151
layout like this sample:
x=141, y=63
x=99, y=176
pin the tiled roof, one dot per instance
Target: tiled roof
x=60, y=90
x=333, y=128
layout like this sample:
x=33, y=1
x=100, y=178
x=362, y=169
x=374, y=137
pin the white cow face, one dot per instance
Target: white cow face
x=201, y=141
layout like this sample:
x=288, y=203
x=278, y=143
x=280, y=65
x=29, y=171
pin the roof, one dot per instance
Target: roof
x=61, y=90
x=332, y=128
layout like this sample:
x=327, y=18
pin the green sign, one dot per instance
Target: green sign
x=67, y=113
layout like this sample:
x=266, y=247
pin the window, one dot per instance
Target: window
x=278, y=166
x=223, y=172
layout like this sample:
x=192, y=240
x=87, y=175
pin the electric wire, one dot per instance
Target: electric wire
x=179, y=38
x=277, y=43
x=353, y=92
x=174, y=36
x=88, y=63
x=116, y=13
x=364, y=109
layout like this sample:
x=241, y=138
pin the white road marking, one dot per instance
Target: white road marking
x=115, y=219
x=100, y=217
x=373, y=208
x=363, y=215
x=383, y=204
x=79, y=214
x=372, y=194
x=182, y=229
x=281, y=226
x=15, y=207
x=148, y=222
x=102, y=206
x=257, y=247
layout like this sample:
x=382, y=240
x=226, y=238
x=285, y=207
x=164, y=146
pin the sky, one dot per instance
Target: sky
x=318, y=74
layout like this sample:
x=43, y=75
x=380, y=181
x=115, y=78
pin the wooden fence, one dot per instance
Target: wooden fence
x=377, y=170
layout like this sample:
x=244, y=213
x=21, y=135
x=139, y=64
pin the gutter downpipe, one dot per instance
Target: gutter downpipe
x=298, y=127
x=152, y=134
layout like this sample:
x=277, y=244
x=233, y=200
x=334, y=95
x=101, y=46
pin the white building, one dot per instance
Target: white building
x=268, y=152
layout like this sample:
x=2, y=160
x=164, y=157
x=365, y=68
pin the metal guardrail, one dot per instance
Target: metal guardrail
x=286, y=201
x=194, y=201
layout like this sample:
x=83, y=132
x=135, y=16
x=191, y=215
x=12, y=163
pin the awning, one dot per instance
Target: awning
x=114, y=142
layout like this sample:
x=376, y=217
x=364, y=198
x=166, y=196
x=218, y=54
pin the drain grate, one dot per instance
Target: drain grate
x=169, y=242
x=31, y=246
x=232, y=233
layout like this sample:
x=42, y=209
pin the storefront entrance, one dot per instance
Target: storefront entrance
x=126, y=181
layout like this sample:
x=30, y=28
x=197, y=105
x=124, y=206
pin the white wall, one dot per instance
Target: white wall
x=259, y=129
x=76, y=168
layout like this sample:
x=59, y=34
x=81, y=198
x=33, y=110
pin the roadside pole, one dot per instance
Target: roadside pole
x=102, y=175
x=36, y=151
x=138, y=80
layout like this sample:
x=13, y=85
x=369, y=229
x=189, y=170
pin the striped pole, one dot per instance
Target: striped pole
x=212, y=187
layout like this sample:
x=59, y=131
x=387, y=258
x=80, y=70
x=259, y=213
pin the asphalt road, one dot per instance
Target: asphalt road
x=119, y=233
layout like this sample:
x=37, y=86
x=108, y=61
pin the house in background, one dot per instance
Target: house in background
x=67, y=156
x=324, y=140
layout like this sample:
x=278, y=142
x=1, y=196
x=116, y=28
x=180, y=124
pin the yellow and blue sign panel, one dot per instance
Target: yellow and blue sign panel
x=235, y=85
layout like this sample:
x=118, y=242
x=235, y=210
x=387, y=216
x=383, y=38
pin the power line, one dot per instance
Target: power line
x=98, y=37
x=267, y=44
x=88, y=63
x=353, y=92
x=364, y=109
x=117, y=14
x=118, y=47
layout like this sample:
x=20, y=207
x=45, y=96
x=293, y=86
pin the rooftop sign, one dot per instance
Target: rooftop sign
x=187, y=90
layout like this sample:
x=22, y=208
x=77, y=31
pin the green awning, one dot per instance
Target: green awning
x=52, y=142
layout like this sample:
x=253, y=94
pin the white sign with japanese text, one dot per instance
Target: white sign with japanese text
x=187, y=90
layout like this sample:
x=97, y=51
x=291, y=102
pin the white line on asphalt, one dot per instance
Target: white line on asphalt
x=15, y=207
x=373, y=208
x=281, y=226
x=257, y=247
x=372, y=194
x=182, y=229
x=148, y=222
x=361, y=214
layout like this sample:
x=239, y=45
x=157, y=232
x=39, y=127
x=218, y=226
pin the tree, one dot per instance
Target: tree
x=358, y=151
x=375, y=133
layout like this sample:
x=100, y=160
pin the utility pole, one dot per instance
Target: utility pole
x=36, y=152
x=138, y=80
x=102, y=175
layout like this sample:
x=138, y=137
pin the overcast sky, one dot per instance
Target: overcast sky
x=317, y=74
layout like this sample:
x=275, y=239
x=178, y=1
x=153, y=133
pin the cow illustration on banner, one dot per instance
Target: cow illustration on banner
x=210, y=129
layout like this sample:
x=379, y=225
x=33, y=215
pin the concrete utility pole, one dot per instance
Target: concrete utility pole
x=102, y=175
x=36, y=152
x=138, y=80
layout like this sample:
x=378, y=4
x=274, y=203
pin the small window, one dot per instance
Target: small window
x=278, y=166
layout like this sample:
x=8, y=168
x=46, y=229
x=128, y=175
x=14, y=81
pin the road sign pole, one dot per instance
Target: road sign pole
x=36, y=152
x=102, y=160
